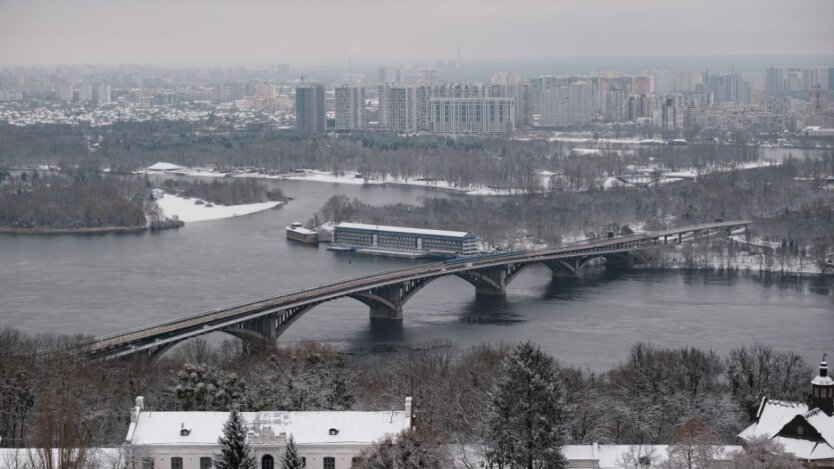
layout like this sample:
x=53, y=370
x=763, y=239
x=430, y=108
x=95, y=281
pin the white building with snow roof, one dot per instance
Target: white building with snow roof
x=806, y=431
x=325, y=439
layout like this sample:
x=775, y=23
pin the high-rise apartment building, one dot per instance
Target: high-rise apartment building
x=616, y=100
x=350, y=107
x=66, y=92
x=102, y=93
x=310, y=108
x=522, y=95
x=555, y=107
x=398, y=107
x=390, y=75
x=579, y=101
x=479, y=115
x=688, y=80
x=85, y=92
x=774, y=80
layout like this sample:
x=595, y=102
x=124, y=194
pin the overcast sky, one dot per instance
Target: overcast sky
x=172, y=32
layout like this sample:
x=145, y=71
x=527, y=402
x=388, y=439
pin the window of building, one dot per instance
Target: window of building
x=147, y=463
x=267, y=462
x=176, y=463
x=205, y=463
x=329, y=463
x=799, y=430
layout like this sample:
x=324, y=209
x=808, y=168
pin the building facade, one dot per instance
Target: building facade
x=324, y=439
x=416, y=242
x=471, y=115
x=310, y=108
x=350, y=107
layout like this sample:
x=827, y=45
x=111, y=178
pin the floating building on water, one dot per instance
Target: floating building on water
x=399, y=241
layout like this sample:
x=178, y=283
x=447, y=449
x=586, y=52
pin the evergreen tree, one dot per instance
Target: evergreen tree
x=235, y=452
x=291, y=458
x=528, y=414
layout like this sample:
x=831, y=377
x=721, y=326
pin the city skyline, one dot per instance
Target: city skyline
x=46, y=32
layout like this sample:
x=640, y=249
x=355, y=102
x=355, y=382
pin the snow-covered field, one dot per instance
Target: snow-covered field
x=188, y=211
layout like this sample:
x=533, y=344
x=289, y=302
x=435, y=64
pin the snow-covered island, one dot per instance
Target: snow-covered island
x=196, y=210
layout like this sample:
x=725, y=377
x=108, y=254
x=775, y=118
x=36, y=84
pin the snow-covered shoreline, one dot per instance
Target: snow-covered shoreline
x=189, y=211
x=312, y=175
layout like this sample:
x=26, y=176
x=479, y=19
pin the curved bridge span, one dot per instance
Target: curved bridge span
x=259, y=323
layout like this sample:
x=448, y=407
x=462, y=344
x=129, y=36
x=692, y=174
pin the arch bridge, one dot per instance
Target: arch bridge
x=259, y=323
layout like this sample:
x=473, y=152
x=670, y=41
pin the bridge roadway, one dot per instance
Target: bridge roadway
x=259, y=323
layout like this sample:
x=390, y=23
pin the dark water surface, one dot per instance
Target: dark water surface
x=99, y=284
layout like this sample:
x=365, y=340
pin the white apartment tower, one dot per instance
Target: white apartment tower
x=472, y=115
x=350, y=107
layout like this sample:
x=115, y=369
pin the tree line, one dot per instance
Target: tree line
x=464, y=397
x=235, y=192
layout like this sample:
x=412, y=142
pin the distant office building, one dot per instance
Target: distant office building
x=310, y=108
x=399, y=240
x=102, y=93
x=350, y=107
x=391, y=75
x=471, y=115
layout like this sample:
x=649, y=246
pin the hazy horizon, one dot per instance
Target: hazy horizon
x=155, y=32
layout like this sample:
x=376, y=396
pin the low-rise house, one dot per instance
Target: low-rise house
x=325, y=439
x=806, y=431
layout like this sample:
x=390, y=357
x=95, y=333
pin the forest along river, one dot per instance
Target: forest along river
x=99, y=284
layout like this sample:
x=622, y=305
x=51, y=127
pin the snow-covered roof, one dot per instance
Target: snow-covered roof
x=161, y=166
x=308, y=428
x=403, y=229
x=774, y=415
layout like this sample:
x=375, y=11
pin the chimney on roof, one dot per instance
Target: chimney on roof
x=140, y=406
x=822, y=389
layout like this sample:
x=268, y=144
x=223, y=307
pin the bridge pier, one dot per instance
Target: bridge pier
x=568, y=268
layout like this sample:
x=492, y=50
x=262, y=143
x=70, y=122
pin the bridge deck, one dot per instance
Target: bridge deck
x=202, y=323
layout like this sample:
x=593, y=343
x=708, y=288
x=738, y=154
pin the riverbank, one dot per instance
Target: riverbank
x=53, y=231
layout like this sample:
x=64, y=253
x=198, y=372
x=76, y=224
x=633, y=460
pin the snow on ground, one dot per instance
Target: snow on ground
x=188, y=211
x=162, y=166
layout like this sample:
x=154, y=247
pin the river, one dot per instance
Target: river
x=99, y=284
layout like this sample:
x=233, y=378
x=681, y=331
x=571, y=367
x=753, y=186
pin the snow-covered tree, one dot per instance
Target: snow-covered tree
x=235, y=452
x=528, y=413
x=202, y=387
x=291, y=458
x=410, y=449
x=764, y=453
